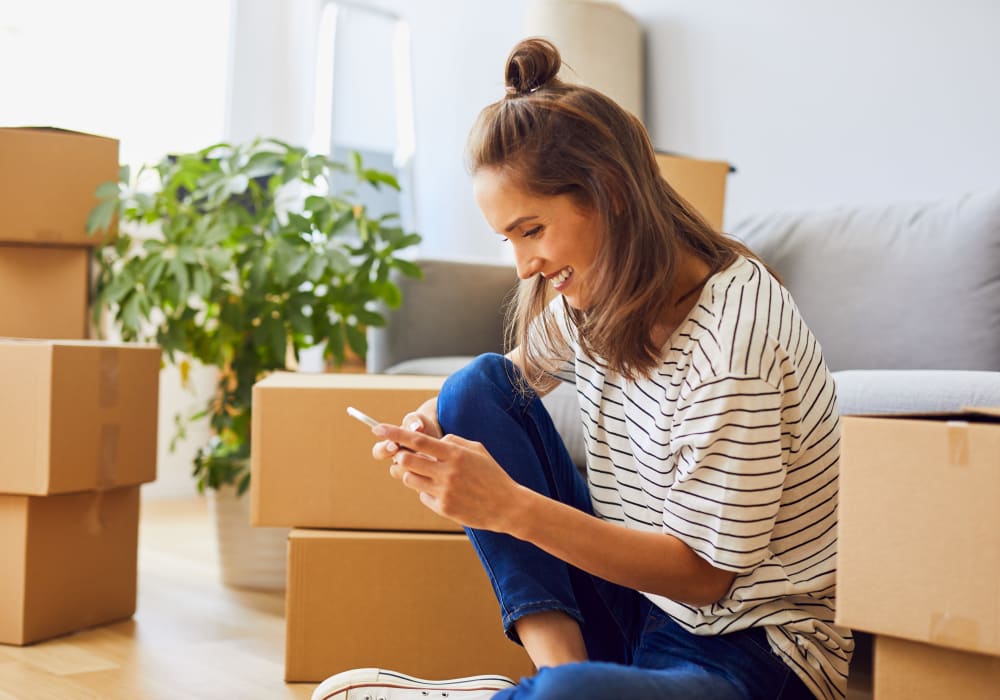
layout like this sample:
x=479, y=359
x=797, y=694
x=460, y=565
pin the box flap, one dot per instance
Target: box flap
x=990, y=411
x=988, y=414
x=338, y=380
x=56, y=130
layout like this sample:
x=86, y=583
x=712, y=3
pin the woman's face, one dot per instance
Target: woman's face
x=551, y=236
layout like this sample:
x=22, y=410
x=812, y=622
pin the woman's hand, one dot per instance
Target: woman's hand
x=423, y=420
x=455, y=477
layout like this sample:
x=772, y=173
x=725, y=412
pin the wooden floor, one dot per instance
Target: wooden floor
x=191, y=637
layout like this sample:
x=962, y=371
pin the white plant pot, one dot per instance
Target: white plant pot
x=249, y=557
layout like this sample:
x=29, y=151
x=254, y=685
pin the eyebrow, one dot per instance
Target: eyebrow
x=518, y=221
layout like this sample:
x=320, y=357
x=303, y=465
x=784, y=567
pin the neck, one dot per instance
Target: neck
x=692, y=273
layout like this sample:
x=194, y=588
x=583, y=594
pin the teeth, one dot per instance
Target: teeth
x=562, y=276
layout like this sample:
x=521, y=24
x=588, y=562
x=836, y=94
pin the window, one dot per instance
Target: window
x=151, y=74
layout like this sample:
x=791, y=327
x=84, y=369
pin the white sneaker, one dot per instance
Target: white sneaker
x=380, y=684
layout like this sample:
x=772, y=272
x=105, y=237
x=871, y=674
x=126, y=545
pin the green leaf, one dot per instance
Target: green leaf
x=179, y=272
x=258, y=273
x=335, y=343
x=155, y=273
x=390, y=294
x=243, y=485
x=316, y=267
x=408, y=268
x=202, y=283
x=376, y=178
x=130, y=314
x=369, y=318
x=108, y=190
x=299, y=322
x=356, y=339
x=339, y=262
x=101, y=216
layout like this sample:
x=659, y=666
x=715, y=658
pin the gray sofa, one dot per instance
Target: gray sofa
x=904, y=299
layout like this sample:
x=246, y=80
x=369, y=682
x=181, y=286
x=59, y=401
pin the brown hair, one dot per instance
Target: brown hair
x=558, y=138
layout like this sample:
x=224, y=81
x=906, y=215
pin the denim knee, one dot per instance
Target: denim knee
x=488, y=378
x=573, y=681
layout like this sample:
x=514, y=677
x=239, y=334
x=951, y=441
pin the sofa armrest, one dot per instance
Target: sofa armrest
x=456, y=309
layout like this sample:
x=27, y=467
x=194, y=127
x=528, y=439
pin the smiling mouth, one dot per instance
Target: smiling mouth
x=561, y=279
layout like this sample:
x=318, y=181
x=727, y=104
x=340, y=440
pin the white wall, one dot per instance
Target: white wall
x=823, y=103
x=816, y=103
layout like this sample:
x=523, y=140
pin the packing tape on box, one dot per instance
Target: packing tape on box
x=107, y=456
x=94, y=521
x=958, y=443
x=107, y=385
x=953, y=631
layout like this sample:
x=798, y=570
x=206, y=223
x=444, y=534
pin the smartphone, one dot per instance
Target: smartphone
x=368, y=420
x=363, y=417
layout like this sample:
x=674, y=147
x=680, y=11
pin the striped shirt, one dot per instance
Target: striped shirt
x=732, y=446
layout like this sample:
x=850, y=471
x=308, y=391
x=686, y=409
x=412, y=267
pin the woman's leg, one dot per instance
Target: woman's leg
x=482, y=403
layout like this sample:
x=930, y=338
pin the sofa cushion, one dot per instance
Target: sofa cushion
x=914, y=391
x=907, y=286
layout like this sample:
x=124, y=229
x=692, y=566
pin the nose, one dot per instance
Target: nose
x=528, y=265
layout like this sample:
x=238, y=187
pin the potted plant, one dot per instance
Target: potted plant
x=255, y=259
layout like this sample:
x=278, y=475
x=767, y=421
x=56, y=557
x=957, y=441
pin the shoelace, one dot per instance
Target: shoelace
x=424, y=693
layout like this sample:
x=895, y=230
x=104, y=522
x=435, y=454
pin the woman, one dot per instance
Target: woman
x=698, y=558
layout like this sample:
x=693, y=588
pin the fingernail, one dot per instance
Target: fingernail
x=415, y=425
x=379, y=430
x=391, y=447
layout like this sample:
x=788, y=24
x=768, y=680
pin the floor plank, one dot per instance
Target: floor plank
x=191, y=637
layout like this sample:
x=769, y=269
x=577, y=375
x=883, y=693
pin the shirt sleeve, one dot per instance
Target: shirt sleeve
x=727, y=435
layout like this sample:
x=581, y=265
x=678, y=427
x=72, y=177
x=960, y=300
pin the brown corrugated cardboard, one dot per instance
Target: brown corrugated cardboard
x=43, y=291
x=913, y=671
x=416, y=603
x=76, y=415
x=312, y=463
x=919, y=529
x=69, y=562
x=700, y=182
x=48, y=178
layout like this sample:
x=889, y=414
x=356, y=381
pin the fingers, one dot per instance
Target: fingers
x=414, y=422
x=414, y=441
x=387, y=448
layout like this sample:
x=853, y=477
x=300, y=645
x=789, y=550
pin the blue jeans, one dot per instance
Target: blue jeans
x=635, y=650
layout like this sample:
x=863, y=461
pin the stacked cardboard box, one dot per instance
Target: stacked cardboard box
x=48, y=178
x=77, y=437
x=374, y=578
x=919, y=552
x=77, y=418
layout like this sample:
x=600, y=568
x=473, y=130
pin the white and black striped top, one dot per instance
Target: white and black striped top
x=732, y=446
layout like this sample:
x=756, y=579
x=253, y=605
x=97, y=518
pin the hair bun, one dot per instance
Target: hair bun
x=532, y=64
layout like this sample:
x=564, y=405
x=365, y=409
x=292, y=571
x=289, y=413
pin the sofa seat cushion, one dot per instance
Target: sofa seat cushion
x=914, y=391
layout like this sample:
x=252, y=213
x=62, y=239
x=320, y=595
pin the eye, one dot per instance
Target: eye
x=532, y=232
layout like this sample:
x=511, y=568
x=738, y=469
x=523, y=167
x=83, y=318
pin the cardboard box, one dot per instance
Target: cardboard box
x=913, y=671
x=311, y=463
x=919, y=529
x=43, y=292
x=416, y=603
x=76, y=415
x=700, y=182
x=69, y=562
x=49, y=178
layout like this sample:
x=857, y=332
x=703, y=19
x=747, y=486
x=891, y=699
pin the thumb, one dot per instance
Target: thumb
x=414, y=422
